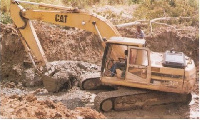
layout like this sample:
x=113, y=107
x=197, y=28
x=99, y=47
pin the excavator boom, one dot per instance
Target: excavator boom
x=22, y=19
x=79, y=20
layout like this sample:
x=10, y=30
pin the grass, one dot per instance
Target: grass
x=5, y=6
x=148, y=9
x=167, y=8
x=5, y=18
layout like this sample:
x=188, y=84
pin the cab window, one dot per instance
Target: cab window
x=138, y=57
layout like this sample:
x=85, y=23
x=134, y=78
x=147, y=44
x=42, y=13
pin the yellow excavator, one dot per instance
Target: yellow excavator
x=141, y=77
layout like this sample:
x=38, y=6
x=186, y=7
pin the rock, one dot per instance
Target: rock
x=10, y=85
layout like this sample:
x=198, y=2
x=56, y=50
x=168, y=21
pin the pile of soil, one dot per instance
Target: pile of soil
x=68, y=73
x=58, y=43
x=62, y=43
x=12, y=54
x=27, y=106
x=165, y=38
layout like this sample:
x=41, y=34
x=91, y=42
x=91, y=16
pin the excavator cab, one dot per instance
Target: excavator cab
x=132, y=66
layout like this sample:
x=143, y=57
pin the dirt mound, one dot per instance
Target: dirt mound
x=12, y=53
x=27, y=106
x=166, y=38
x=58, y=43
x=67, y=73
x=73, y=68
x=69, y=43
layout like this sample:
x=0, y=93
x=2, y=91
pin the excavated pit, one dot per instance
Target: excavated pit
x=76, y=52
x=75, y=45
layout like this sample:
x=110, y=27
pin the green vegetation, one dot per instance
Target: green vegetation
x=150, y=9
x=5, y=18
x=5, y=4
x=85, y=3
x=146, y=10
x=167, y=8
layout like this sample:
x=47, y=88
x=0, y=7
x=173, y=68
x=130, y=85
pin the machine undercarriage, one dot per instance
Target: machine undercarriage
x=126, y=98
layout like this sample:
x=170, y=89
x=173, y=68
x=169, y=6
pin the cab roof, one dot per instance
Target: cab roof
x=127, y=41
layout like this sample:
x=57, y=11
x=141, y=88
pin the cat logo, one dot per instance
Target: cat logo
x=61, y=18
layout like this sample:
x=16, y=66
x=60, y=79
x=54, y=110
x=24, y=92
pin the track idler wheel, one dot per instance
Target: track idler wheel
x=91, y=84
x=107, y=105
x=188, y=98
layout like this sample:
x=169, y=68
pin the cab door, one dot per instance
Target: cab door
x=138, y=65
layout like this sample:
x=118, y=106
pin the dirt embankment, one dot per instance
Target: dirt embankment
x=12, y=54
x=165, y=38
x=69, y=43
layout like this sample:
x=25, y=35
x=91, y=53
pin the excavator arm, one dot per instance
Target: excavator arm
x=61, y=16
x=58, y=15
x=30, y=39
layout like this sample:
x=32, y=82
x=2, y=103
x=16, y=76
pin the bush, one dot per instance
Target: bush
x=5, y=18
x=151, y=9
x=86, y=3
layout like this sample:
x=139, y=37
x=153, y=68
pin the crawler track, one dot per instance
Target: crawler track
x=125, y=99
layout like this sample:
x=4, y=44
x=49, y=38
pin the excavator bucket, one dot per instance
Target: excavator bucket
x=50, y=84
x=56, y=85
